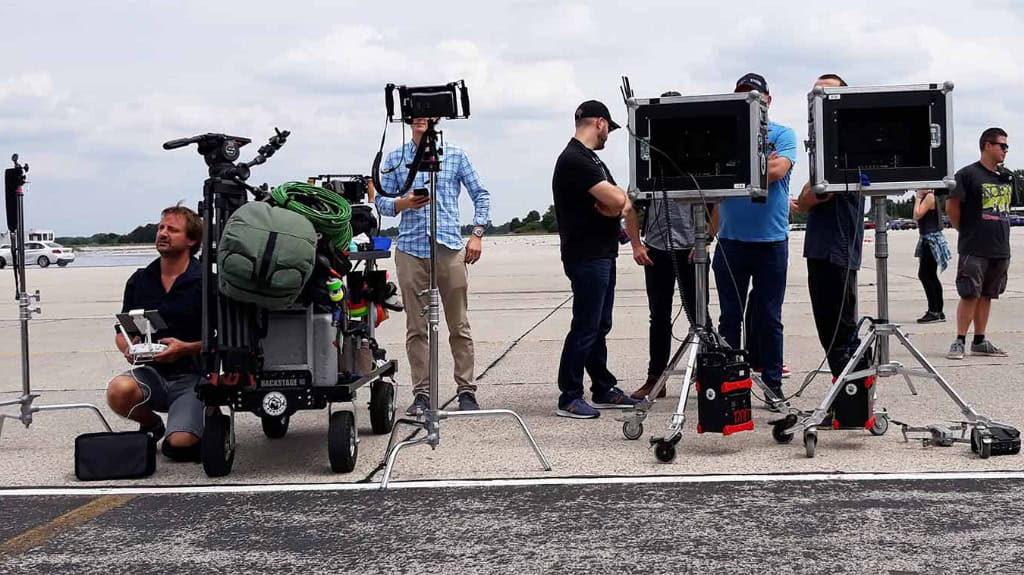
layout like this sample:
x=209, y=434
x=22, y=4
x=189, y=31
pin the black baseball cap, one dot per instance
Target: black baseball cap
x=753, y=82
x=595, y=109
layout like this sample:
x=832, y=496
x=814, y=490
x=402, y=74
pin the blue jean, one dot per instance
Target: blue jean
x=593, y=290
x=764, y=265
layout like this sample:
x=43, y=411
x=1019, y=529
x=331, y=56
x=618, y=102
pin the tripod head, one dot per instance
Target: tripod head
x=221, y=151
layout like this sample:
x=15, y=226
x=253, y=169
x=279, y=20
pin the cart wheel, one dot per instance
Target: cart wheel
x=665, y=451
x=275, y=427
x=342, y=448
x=810, y=441
x=881, y=425
x=632, y=430
x=984, y=447
x=216, y=447
x=974, y=439
x=779, y=432
x=382, y=406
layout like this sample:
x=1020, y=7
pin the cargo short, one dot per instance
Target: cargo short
x=173, y=394
x=978, y=276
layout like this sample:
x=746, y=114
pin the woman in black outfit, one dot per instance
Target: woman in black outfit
x=932, y=253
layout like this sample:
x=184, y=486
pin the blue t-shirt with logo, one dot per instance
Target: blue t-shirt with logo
x=744, y=220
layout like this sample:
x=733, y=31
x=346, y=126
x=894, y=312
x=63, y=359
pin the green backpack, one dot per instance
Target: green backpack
x=266, y=255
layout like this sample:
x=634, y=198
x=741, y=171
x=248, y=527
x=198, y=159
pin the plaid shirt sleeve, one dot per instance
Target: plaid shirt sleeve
x=389, y=180
x=480, y=196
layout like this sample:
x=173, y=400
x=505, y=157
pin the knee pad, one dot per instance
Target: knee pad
x=186, y=454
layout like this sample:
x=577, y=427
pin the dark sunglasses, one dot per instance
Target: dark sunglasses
x=1002, y=145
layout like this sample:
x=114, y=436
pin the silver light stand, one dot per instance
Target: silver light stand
x=25, y=312
x=878, y=334
x=430, y=420
x=699, y=338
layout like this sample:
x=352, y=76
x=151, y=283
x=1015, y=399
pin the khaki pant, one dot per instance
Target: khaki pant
x=453, y=283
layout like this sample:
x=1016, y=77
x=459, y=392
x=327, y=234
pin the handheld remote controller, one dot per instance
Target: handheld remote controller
x=142, y=324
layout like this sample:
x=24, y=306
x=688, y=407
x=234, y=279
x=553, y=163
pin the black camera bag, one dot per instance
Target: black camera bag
x=114, y=455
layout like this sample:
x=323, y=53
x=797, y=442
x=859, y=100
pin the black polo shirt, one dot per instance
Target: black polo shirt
x=585, y=234
x=181, y=308
x=835, y=231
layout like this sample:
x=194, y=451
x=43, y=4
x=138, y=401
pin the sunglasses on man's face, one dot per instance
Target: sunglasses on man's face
x=1005, y=147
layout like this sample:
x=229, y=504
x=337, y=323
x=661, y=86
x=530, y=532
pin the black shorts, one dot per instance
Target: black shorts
x=981, y=277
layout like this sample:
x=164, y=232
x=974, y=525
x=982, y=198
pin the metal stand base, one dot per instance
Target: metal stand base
x=700, y=338
x=28, y=410
x=877, y=337
x=429, y=422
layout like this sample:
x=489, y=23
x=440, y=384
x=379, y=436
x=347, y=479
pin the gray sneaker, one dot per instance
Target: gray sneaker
x=956, y=351
x=986, y=348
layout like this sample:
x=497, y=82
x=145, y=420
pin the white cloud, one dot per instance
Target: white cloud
x=90, y=106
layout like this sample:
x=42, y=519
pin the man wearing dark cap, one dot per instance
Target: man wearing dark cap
x=753, y=250
x=588, y=206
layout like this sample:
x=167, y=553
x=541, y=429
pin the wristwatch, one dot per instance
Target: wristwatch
x=478, y=231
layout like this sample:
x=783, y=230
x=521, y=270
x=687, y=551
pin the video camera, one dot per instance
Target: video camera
x=353, y=187
x=428, y=101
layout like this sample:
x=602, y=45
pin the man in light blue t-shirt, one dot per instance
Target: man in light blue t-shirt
x=754, y=247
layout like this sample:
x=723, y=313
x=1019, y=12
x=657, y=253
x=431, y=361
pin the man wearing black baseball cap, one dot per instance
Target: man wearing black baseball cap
x=753, y=250
x=588, y=206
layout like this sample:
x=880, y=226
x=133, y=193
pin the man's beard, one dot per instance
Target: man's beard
x=167, y=249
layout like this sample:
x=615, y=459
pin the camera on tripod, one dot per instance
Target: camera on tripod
x=450, y=101
x=698, y=147
x=881, y=140
x=353, y=187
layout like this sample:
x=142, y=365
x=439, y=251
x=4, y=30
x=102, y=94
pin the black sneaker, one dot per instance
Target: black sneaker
x=613, y=398
x=156, y=431
x=420, y=404
x=467, y=401
x=932, y=317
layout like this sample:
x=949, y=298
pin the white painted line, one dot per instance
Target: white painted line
x=524, y=482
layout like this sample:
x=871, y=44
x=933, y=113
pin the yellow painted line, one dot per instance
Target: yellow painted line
x=39, y=535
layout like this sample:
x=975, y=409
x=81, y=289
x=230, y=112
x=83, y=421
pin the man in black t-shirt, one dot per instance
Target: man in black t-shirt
x=979, y=209
x=172, y=286
x=588, y=206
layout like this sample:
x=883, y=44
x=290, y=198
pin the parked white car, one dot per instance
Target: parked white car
x=39, y=253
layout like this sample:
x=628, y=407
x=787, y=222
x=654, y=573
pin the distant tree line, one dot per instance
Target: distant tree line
x=141, y=235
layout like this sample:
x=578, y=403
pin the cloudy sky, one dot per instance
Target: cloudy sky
x=90, y=89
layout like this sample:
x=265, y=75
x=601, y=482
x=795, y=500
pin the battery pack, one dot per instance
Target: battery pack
x=723, y=392
x=854, y=407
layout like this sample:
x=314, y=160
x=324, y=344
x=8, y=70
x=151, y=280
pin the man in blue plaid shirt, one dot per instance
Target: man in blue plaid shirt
x=412, y=259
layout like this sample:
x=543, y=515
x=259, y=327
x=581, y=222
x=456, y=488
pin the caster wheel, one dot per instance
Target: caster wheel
x=984, y=448
x=382, y=406
x=810, y=442
x=881, y=425
x=632, y=430
x=779, y=432
x=217, y=447
x=342, y=448
x=275, y=427
x=665, y=451
x=974, y=439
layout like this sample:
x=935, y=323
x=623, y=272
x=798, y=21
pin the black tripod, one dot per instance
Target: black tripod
x=430, y=420
x=15, y=185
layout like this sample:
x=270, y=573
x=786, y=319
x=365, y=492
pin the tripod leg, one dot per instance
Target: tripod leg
x=679, y=418
x=69, y=406
x=505, y=412
x=393, y=455
x=966, y=409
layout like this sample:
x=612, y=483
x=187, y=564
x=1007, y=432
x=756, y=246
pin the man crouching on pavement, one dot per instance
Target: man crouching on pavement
x=172, y=286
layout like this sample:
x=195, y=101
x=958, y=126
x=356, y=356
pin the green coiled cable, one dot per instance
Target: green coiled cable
x=329, y=213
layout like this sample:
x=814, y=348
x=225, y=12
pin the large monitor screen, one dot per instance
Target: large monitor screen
x=883, y=138
x=704, y=146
